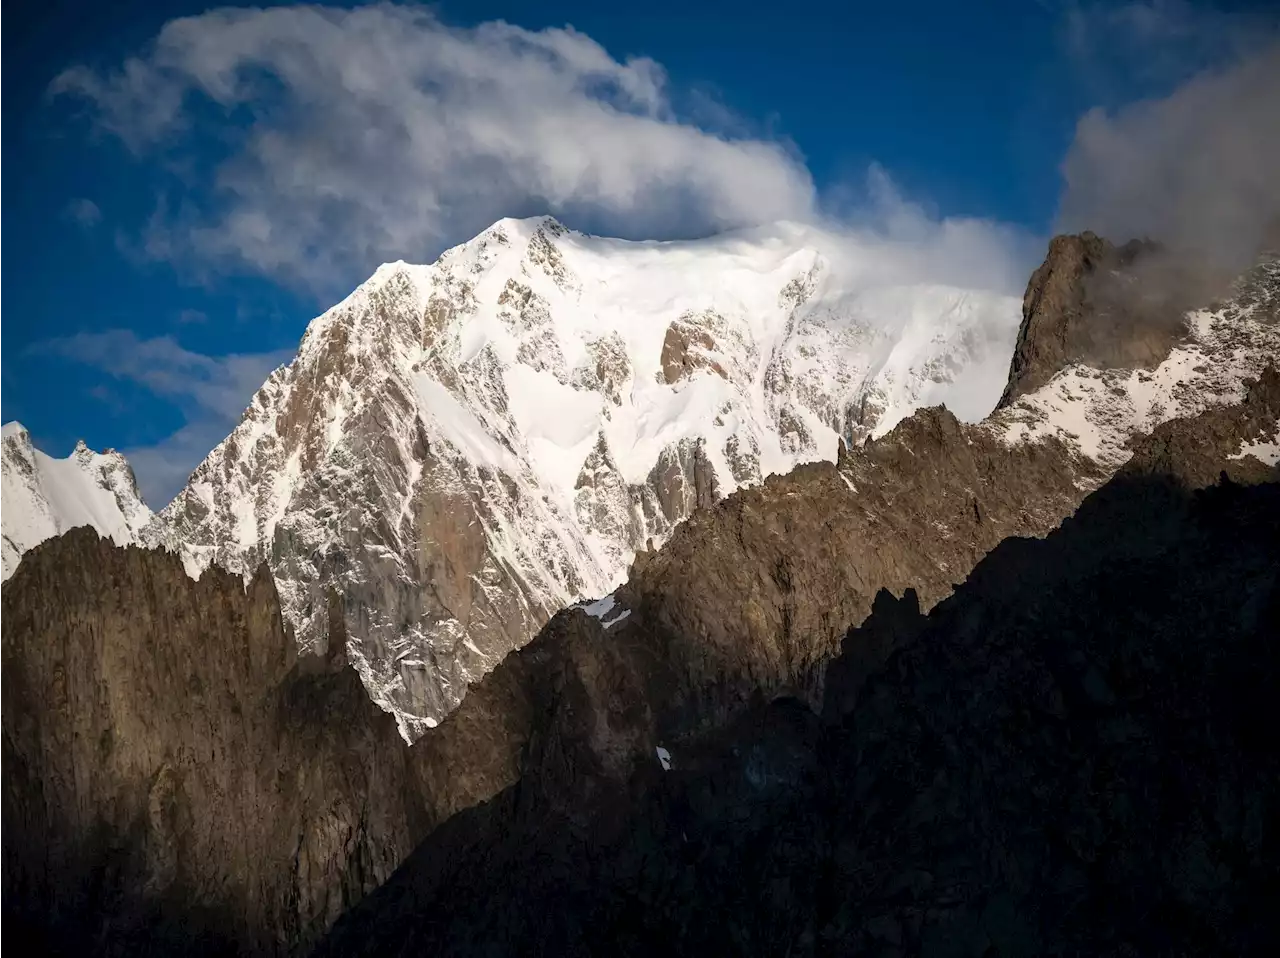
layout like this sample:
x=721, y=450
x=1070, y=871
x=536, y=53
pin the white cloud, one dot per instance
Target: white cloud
x=901, y=242
x=379, y=133
x=212, y=392
x=354, y=137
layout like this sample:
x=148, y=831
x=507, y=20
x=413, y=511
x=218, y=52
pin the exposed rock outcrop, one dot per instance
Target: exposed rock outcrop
x=1104, y=306
x=176, y=777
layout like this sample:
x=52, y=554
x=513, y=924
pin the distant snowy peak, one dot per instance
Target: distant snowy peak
x=44, y=497
x=463, y=448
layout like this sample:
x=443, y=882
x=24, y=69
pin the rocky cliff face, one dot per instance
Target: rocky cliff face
x=1105, y=307
x=1067, y=756
x=759, y=589
x=44, y=497
x=176, y=777
x=751, y=597
x=464, y=448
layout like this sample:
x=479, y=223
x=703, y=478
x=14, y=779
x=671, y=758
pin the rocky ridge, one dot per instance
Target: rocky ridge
x=771, y=577
x=1066, y=756
x=176, y=777
x=744, y=603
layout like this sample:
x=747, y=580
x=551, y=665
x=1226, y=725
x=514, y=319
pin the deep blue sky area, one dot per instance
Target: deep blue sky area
x=968, y=107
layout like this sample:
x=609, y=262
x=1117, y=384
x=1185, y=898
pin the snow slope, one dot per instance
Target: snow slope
x=43, y=497
x=466, y=447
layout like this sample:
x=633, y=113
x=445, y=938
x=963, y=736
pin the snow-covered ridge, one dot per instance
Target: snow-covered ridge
x=466, y=447
x=43, y=497
x=1097, y=412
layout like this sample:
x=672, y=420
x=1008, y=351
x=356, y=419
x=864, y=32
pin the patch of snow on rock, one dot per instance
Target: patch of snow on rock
x=1096, y=412
x=664, y=758
x=1266, y=451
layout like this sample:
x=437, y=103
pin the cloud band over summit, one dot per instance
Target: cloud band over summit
x=381, y=133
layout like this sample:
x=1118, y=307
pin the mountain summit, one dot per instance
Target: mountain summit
x=44, y=497
x=466, y=447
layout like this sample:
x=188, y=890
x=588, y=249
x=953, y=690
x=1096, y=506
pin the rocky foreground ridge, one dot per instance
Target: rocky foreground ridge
x=1070, y=755
x=148, y=718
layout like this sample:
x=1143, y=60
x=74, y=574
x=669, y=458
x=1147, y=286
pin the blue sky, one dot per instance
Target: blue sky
x=170, y=227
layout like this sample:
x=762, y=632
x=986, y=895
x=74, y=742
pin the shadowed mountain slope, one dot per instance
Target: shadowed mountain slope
x=1069, y=756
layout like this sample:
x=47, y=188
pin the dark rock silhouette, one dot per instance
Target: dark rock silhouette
x=175, y=776
x=1071, y=755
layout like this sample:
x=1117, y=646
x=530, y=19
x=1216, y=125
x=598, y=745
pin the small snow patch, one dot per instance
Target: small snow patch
x=600, y=607
x=1265, y=451
x=664, y=757
x=616, y=619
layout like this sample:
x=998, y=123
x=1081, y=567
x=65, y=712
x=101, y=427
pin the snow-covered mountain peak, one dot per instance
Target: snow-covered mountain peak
x=44, y=497
x=465, y=447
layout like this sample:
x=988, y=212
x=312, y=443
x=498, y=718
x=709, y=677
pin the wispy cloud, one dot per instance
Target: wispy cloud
x=1195, y=169
x=163, y=468
x=212, y=392
x=84, y=213
x=380, y=133
x=1153, y=45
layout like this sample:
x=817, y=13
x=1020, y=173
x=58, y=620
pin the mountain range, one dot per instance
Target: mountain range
x=685, y=522
x=467, y=447
x=44, y=497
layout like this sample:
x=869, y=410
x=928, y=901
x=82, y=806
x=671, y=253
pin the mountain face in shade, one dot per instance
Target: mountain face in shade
x=464, y=448
x=44, y=497
x=177, y=779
